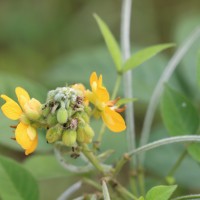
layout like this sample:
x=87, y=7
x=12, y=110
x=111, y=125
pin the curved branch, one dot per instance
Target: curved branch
x=170, y=140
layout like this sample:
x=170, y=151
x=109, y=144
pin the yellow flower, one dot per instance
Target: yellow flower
x=100, y=98
x=26, y=111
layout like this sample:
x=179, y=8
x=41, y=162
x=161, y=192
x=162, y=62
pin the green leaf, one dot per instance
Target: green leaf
x=198, y=69
x=194, y=151
x=125, y=101
x=179, y=115
x=110, y=42
x=160, y=192
x=141, y=198
x=16, y=183
x=142, y=56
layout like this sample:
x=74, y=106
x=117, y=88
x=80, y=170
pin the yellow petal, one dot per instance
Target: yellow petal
x=33, y=146
x=32, y=133
x=11, y=109
x=22, y=137
x=93, y=78
x=100, y=81
x=90, y=96
x=22, y=95
x=102, y=94
x=113, y=120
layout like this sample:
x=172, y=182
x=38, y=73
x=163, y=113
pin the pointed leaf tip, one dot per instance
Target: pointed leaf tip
x=143, y=55
x=111, y=42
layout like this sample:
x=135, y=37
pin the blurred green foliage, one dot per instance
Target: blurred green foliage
x=47, y=43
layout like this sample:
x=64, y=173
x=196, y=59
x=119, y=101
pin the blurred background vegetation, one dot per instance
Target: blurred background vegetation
x=48, y=43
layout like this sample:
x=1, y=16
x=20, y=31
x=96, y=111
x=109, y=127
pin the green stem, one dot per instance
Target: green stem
x=92, y=183
x=186, y=197
x=117, y=84
x=133, y=183
x=177, y=164
x=141, y=181
x=90, y=156
x=120, y=164
x=125, y=193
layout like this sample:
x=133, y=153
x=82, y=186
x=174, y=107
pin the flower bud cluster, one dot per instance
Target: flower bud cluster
x=67, y=117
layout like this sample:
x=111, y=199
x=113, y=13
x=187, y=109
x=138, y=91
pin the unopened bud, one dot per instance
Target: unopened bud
x=85, y=134
x=54, y=133
x=52, y=120
x=85, y=117
x=45, y=111
x=88, y=110
x=89, y=131
x=80, y=135
x=70, y=111
x=69, y=137
x=32, y=109
x=62, y=115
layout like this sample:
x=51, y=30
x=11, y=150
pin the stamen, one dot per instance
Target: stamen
x=113, y=102
x=122, y=109
x=13, y=126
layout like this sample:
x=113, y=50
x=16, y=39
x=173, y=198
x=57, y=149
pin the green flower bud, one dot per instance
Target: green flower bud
x=45, y=111
x=85, y=117
x=85, y=134
x=62, y=115
x=89, y=131
x=88, y=110
x=80, y=135
x=54, y=133
x=69, y=137
x=51, y=120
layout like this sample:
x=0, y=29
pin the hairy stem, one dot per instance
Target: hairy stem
x=92, y=158
x=92, y=183
x=125, y=193
x=166, y=141
x=125, y=45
